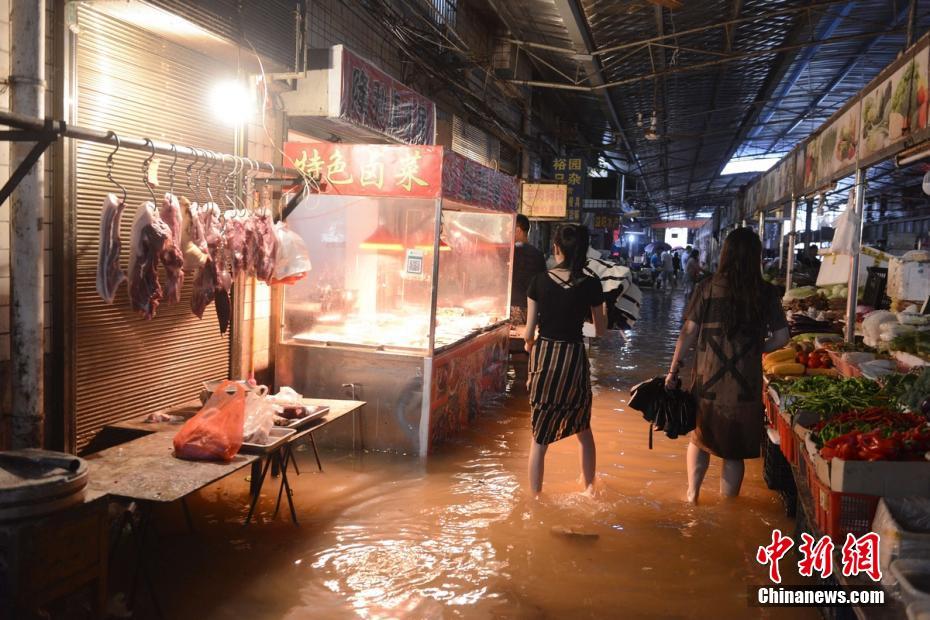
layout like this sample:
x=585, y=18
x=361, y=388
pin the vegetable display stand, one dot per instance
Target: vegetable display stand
x=786, y=437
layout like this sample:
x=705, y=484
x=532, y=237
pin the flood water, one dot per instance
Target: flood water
x=385, y=536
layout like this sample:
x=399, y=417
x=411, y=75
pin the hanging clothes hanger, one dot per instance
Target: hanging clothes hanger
x=146, y=165
x=110, y=178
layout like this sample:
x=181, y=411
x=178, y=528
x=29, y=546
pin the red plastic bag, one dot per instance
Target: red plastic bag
x=215, y=433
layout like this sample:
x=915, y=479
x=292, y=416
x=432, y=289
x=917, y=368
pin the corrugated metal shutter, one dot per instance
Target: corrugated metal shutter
x=474, y=143
x=133, y=82
x=269, y=25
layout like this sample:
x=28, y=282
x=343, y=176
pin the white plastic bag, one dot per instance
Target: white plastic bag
x=285, y=397
x=292, y=260
x=259, y=416
x=845, y=233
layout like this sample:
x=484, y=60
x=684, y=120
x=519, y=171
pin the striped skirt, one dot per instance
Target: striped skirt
x=560, y=390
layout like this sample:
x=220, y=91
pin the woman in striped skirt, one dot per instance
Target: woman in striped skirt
x=558, y=302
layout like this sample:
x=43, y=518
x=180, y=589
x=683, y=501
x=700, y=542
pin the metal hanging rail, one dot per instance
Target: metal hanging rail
x=44, y=132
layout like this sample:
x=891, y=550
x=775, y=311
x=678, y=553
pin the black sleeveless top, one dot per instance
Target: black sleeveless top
x=564, y=306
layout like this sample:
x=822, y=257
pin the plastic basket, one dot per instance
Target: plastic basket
x=787, y=439
x=838, y=514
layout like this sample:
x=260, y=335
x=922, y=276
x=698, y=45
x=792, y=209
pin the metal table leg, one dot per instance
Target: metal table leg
x=257, y=492
x=140, y=533
x=285, y=488
x=316, y=454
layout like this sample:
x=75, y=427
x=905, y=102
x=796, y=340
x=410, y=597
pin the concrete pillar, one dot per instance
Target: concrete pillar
x=27, y=78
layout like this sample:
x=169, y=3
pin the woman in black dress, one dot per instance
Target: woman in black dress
x=559, y=301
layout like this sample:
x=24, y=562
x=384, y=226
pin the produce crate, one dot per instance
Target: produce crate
x=837, y=513
x=786, y=437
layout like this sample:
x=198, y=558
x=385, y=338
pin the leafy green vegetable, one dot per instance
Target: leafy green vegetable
x=917, y=392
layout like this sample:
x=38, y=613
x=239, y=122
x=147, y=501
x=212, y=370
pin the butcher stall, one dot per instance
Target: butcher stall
x=407, y=303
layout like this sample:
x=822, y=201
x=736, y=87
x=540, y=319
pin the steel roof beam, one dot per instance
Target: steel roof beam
x=735, y=11
x=824, y=31
x=862, y=52
x=576, y=25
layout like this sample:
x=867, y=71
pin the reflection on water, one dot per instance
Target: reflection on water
x=383, y=536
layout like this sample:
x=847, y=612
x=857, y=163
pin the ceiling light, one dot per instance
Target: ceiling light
x=739, y=165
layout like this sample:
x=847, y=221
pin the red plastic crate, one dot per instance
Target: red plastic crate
x=838, y=514
x=771, y=409
x=786, y=438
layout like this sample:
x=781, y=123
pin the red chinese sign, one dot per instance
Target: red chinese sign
x=859, y=555
x=370, y=169
x=375, y=100
x=469, y=182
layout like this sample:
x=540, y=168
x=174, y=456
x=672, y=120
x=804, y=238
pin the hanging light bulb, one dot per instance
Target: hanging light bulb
x=639, y=119
x=654, y=121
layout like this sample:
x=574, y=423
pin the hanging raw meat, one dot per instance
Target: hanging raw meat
x=264, y=244
x=109, y=274
x=193, y=240
x=172, y=257
x=238, y=235
x=204, y=288
x=150, y=237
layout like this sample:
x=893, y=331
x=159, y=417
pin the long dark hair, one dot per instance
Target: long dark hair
x=572, y=241
x=740, y=274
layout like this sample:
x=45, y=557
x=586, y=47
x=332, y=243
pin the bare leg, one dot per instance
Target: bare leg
x=732, y=477
x=698, y=460
x=537, y=465
x=588, y=456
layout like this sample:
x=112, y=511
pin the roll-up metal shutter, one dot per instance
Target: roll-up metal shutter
x=474, y=143
x=269, y=25
x=134, y=82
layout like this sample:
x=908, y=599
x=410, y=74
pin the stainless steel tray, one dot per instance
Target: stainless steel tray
x=315, y=412
x=276, y=438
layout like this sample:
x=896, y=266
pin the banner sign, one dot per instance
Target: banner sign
x=370, y=169
x=470, y=183
x=888, y=115
x=572, y=171
x=544, y=200
x=376, y=101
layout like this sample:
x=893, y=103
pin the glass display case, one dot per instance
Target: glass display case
x=408, y=298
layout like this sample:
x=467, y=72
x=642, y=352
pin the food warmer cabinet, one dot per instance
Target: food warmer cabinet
x=407, y=302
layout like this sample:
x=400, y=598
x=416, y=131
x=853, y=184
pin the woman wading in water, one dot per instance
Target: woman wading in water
x=559, y=301
x=734, y=317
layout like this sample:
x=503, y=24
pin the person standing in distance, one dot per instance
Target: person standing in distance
x=528, y=261
x=559, y=302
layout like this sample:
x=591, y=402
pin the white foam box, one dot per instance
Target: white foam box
x=908, y=280
x=834, y=268
x=884, y=478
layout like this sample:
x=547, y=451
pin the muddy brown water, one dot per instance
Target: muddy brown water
x=385, y=536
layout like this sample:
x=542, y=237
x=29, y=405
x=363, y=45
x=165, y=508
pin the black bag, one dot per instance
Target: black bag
x=672, y=411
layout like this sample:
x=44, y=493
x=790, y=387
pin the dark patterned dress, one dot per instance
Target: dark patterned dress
x=728, y=374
